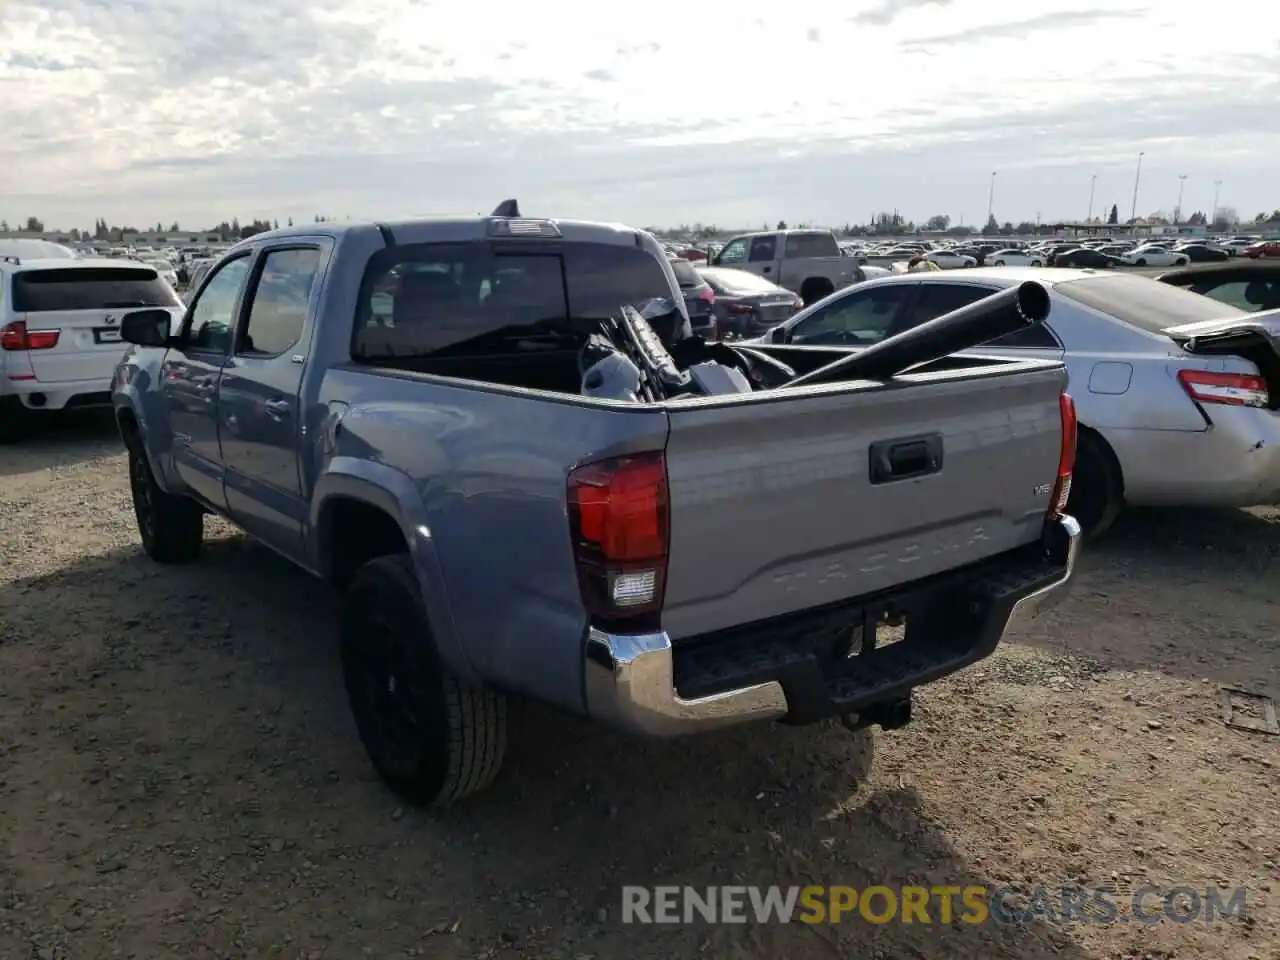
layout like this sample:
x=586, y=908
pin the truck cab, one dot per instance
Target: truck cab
x=807, y=262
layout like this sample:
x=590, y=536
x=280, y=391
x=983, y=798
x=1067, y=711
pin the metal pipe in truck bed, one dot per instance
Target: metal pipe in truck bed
x=978, y=323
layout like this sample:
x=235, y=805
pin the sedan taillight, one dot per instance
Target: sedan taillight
x=1232, y=389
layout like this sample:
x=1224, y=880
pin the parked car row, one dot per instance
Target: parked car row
x=1178, y=393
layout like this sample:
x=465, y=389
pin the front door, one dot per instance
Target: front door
x=191, y=372
x=258, y=398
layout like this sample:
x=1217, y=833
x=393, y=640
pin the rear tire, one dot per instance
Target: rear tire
x=433, y=738
x=1097, y=489
x=814, y=289
x=1036, y=263
x=15, y=420
x=171, y=527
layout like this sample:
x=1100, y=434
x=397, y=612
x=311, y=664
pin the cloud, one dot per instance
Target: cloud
x=394, y=107
x=1021, y=29
x=885, y=12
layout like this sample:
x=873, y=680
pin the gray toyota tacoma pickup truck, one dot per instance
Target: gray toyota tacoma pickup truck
x=498, y=438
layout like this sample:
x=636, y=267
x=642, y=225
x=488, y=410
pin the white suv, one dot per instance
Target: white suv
x=60, y=331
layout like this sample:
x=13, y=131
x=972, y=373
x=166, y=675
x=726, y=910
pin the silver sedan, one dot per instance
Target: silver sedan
x=1178, y=396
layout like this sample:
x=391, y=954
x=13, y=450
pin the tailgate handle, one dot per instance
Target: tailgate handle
x=906, y=458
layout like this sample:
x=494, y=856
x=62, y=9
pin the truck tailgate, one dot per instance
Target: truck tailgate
x=774, y=508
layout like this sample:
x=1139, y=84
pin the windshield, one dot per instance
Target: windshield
x=90, y=288
x=685, y=273
x=466, y=299
x=26, y=249
x=1142, y=302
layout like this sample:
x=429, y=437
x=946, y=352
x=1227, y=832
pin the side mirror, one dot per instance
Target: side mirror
x=146, y=328
x=778, y=335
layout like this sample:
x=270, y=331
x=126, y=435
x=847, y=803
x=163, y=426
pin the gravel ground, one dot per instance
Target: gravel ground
x=179, y=775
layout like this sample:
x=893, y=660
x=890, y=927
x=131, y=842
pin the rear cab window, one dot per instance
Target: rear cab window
x=811, y=244
x=472, y=299
x=1143, y=303
x=90, y=288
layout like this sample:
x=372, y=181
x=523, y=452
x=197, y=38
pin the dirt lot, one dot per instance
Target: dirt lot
x=179, y=776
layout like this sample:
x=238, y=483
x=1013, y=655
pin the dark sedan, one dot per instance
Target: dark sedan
x=1199, y=253
x=747, y=305
x=1250, y=285
x=699, y=299
x=1084, y=257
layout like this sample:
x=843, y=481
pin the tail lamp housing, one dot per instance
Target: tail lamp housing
x=1231, y=389
x=15, y=336
x=1066, y=456
x=619, y=521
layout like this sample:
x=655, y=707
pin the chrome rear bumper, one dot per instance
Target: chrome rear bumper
x=630, y=678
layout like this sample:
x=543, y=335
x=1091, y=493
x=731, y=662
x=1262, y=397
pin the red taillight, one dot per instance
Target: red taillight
x=618, y=522
x=1233, y=389
x=1066, y=456
x=16, y=336
x=707, y=294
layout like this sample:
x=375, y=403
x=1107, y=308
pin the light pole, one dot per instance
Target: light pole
x=991, y=196
x=1177, y=211
x=1093, y=182
x=1217, y=185
x=1137, y=179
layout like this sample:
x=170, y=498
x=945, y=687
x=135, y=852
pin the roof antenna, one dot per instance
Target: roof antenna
x=507, y=208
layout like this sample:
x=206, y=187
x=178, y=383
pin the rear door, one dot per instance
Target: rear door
x=84, y=304
x=764, y=257
x=259, y=413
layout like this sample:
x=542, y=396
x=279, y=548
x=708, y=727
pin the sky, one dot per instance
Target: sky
x=653, y=113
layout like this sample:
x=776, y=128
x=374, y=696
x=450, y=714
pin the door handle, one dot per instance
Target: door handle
x=276, y=409
x=204, y=386
x=905, y=458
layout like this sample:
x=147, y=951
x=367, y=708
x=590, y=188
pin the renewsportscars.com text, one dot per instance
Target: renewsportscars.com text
x=929, y=905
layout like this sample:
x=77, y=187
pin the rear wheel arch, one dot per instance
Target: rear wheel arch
x=352, y=531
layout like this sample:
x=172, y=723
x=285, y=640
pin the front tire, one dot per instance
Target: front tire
x=1036, y=263
x=1142, y=263
x=171, y=527
x=998, y=263
x=1097, y=490
x=433, y=738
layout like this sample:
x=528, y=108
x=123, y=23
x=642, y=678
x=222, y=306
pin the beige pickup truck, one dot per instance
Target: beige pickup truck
x=807, y=262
